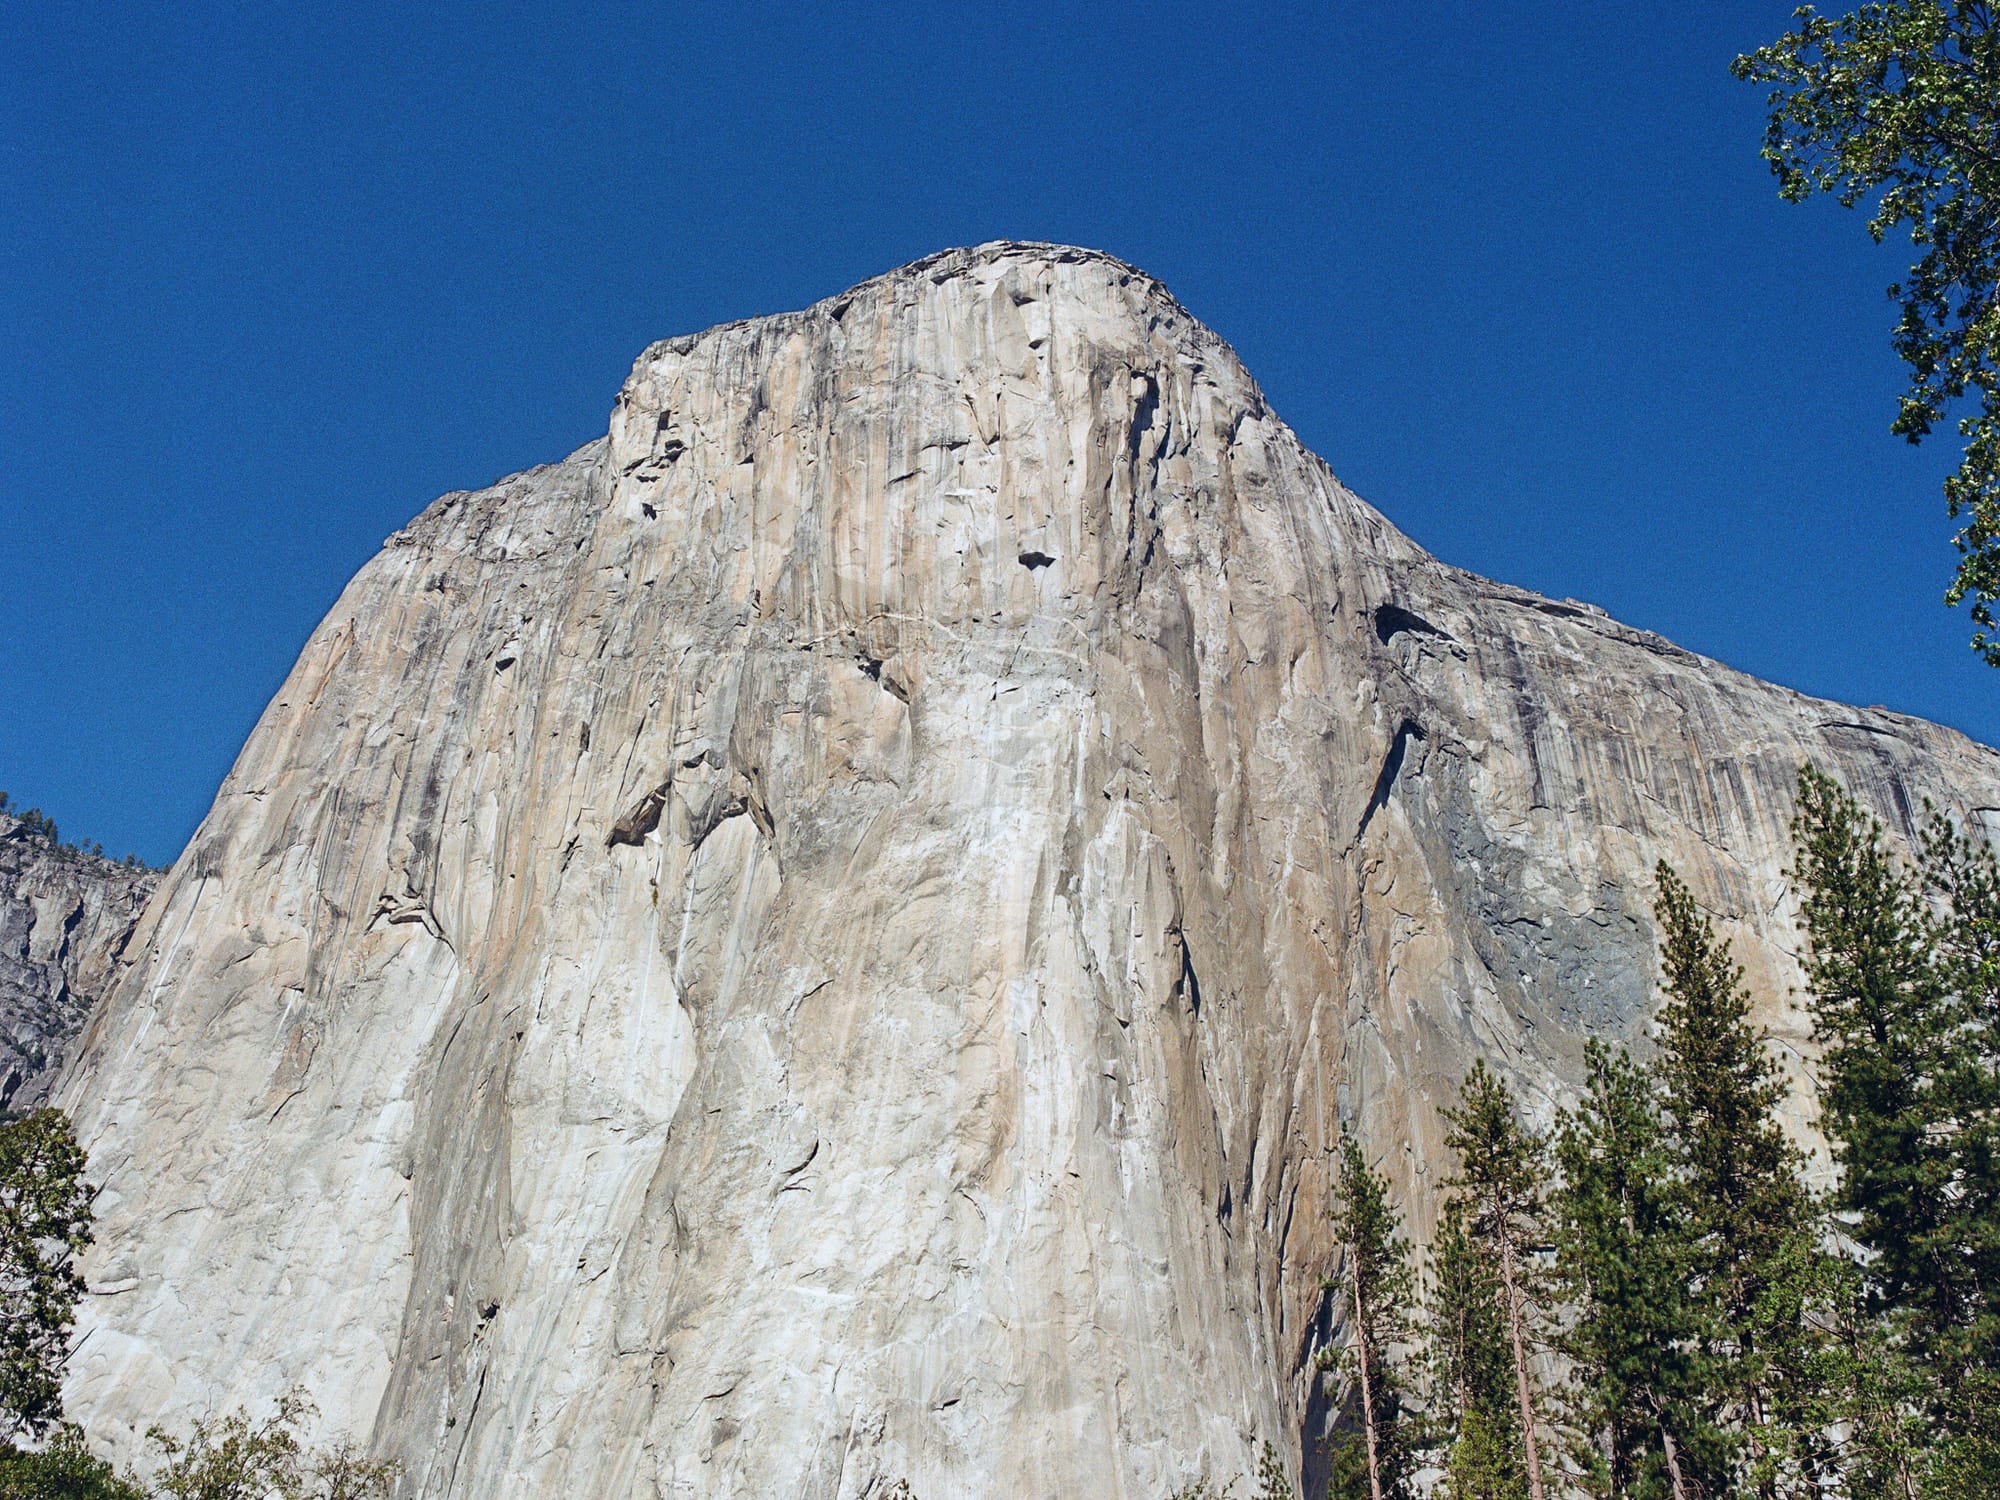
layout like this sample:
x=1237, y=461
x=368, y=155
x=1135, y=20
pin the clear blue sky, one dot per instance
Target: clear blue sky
x=272, y=277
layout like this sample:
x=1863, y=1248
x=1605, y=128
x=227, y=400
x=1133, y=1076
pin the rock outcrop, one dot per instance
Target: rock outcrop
x=64, y=919
x=826, y=936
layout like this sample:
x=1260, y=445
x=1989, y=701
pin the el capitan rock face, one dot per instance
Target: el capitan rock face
x=823, y=937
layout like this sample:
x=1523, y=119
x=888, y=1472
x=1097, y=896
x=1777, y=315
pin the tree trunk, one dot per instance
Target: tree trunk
x=1673, y=1463
x=1520, y=1367
x=1672, y=1450
x=1367, y=1394
x=1767, y=1487
x=1903, y=1473
x=1463, y=1394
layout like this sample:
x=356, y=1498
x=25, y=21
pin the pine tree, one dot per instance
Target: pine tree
x=1470, y=1419
x=1961, y=880
x=1625, y=1257
x=1375, y=1289
x=1876, y=1016
x=1745, y=1201
x=1500, y=1182
x=1904, y=970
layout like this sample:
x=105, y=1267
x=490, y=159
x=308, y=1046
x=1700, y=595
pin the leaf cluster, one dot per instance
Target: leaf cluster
x=63, y=1468
x=44, y=1223
x=236, y=1458
x=1897, y=103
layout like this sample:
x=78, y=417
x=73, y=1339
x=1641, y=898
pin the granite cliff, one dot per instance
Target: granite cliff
x=64, y=919
x=825, y=936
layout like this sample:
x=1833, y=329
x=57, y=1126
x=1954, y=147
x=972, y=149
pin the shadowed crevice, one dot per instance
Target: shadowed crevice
x=1392, y=620
x=1392, y=766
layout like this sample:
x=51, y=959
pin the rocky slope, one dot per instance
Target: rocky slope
x=826, y=936
x=64, y=919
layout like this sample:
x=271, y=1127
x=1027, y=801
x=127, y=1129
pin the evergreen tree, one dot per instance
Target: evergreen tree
x=1745, y=1202
x=1625, y=1257
x=1471, y=1417
x=1902, y=967
x=1962, y=889
x=1961, y=880
x=1876, y=1017
x=1375, y=1289
x=1500, y=1183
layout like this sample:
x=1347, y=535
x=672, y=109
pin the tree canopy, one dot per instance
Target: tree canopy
x=44, y=1222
